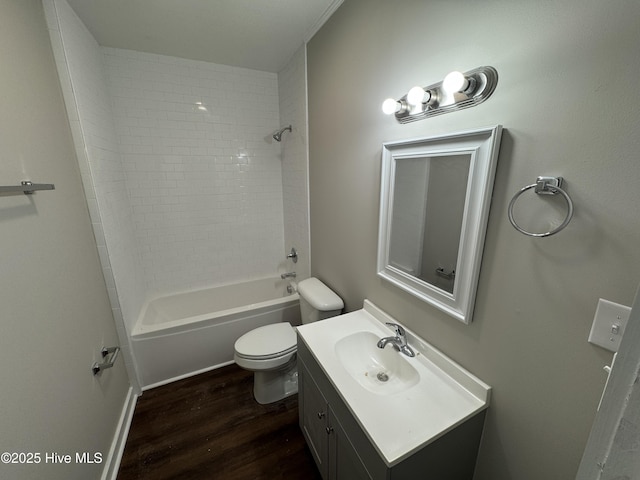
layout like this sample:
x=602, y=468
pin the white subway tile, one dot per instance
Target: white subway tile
x=214, y=210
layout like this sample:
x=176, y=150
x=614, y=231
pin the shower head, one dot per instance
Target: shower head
x=278, y=135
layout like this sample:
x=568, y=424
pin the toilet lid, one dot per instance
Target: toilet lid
x=268, y=341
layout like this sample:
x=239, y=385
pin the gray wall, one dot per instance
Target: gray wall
x=55, y=310
x=566, y=97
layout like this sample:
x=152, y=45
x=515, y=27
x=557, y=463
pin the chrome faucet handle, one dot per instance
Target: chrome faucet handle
x=293, y=255
x=398, y=328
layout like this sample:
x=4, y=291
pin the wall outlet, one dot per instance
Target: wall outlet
x=609, y=324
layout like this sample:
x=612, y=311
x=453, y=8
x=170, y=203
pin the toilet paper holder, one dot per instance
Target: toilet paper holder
x=109, y=356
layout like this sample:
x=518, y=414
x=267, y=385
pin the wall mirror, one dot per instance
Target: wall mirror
x=435, y=196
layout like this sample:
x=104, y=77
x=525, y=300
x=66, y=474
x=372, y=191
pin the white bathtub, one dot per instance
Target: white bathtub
x=188, y=333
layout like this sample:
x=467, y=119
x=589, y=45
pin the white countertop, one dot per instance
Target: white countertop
x=400, y=423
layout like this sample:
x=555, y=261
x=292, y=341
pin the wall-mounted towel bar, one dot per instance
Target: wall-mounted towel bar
x=109, y=355
x=27, y=187
x=543, y=186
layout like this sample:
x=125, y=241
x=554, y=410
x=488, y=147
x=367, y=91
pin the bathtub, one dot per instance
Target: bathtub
x=188, y=333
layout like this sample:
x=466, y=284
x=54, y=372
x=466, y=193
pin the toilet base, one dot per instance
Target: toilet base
x=274, y=385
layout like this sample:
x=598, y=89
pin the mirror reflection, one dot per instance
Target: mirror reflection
x=429, y=196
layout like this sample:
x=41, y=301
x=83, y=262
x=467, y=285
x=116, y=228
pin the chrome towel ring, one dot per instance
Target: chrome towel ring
x=543, y=186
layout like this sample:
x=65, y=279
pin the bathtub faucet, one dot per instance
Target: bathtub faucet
x=288, y=275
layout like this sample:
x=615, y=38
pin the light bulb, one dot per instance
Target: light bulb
x=416, y=96
x=455, y=82
x=390, y=106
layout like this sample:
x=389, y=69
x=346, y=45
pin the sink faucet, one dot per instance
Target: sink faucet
x=399, y=342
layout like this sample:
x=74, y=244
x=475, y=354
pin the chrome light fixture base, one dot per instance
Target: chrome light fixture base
x=480, y=84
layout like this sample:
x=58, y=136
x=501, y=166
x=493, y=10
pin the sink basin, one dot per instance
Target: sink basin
x=428, y=395
x=383, y=371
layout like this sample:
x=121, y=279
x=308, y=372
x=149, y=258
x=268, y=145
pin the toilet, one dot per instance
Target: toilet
x=270, y=351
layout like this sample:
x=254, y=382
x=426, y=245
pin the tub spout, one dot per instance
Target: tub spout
x=288, y=275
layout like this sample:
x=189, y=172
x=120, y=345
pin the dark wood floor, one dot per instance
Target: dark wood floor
x=210, y=427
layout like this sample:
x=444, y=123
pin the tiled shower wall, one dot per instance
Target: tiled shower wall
x=203, y=173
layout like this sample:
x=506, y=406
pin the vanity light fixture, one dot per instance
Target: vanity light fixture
x=457, y=91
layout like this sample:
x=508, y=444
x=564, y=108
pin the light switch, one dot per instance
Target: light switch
x=609, y=324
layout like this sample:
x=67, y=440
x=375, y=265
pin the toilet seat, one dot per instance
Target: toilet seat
x=270, y=342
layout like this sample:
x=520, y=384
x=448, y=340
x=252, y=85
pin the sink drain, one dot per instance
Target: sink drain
x=383, y=377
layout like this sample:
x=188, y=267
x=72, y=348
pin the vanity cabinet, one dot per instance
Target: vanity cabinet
x=330, y=445
x=313, y=414
x=343, y=451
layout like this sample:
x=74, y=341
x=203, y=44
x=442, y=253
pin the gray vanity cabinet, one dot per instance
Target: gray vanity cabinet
x=344, y=462
x=343, y=451
x=313, y=414
x=328, y=442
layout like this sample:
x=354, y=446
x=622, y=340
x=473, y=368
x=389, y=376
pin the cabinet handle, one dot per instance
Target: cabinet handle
x=329, y=430
x=321, y=415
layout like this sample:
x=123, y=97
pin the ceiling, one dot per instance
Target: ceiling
x=257, y=34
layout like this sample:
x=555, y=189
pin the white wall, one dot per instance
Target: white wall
x=292, y=93
x=409, y=214
x=205, y=187
x=56, y=314
x=567, y=73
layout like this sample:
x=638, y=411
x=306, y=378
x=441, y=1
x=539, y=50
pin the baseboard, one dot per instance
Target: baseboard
x=112, y=462
x=186, y=375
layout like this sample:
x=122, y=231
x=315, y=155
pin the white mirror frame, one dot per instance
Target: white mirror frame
x=482, y=145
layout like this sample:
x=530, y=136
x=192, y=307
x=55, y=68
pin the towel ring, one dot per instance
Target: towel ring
x=543, y=186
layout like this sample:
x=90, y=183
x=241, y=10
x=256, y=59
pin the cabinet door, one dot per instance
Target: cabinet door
x=344, y=462
x=313, y=418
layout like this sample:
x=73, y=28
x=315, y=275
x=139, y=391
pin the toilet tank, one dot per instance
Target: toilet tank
x=317, y=301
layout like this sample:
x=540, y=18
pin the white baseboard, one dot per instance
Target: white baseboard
x=112, y=462
x=186, y=375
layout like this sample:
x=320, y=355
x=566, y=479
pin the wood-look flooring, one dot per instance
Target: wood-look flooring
x=210, y=427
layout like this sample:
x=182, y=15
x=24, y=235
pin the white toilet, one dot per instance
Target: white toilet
x=270, y=351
